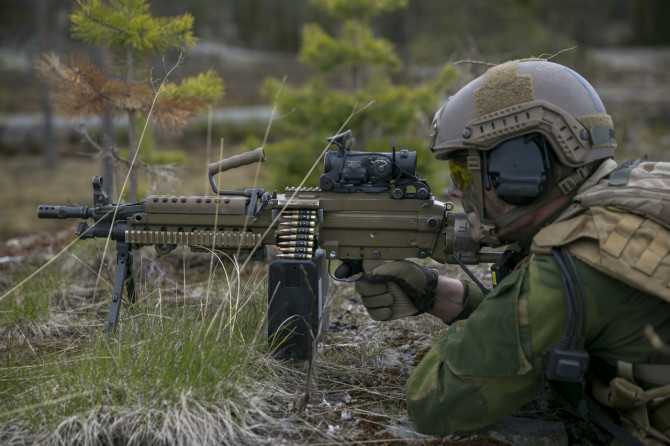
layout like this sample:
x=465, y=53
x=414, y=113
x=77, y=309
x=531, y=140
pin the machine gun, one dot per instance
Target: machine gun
x=370, y=206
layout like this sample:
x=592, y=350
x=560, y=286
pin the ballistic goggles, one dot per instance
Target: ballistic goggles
x=461, y=175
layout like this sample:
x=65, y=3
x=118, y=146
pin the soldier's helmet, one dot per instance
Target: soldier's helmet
x=500, y=127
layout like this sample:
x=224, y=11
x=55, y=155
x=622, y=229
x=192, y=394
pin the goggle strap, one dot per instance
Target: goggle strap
x=475, y=191
x=474, y=162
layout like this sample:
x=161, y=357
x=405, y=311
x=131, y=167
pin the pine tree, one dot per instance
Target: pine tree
x=80, y=89
x=315, y=111
x=355, y=46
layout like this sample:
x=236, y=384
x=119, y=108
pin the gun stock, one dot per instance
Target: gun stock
x=370, y=206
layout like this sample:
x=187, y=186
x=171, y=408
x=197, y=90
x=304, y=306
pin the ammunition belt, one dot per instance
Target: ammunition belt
x=296, y=234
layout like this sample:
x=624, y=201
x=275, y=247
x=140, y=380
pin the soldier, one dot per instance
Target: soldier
x=530, y=146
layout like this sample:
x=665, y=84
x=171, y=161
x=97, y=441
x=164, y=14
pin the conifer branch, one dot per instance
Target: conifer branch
x=81, y=90
x=149, y=168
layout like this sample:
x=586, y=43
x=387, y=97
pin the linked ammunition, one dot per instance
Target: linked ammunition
x=296, y=237
x=299, y=212
x=302, y=243
x=296, y=250
x=296, y=231
x=294, y=256
x=299, y=224
x=299, y=217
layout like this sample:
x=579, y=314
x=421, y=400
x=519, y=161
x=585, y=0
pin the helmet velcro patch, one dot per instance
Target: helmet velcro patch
x=601, y=130
x=502, y=88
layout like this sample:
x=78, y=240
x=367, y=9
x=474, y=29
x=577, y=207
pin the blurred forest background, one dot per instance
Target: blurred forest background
x=621, y=46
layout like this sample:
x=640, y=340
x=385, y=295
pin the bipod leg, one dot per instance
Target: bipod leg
x=124, y=277
x=130, y=282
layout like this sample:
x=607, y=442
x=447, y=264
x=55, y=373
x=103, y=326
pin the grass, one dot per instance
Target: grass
x=189, y=364
x=31, y=306
x=178, y=371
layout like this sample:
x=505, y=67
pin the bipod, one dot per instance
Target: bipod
x=124, y=276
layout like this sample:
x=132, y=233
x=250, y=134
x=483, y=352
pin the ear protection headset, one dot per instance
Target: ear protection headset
x=518, y=169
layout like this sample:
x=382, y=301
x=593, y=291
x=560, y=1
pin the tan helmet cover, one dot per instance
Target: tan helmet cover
x=520, y=97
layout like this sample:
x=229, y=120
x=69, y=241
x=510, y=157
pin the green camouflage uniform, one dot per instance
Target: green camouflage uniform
x=485, y=367
x=617, y=229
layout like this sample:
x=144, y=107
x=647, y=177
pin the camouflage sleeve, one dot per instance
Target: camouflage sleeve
x=472, y=299
x=485, y=367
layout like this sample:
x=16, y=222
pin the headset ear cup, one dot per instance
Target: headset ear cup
x=519, y=169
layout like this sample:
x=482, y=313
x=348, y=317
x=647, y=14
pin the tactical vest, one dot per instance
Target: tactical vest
x=619, y=224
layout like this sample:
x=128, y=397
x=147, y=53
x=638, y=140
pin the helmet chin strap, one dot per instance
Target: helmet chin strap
x=518, y=212
x=564, y=187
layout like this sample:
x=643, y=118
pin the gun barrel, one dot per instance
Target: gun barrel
x=45, y=211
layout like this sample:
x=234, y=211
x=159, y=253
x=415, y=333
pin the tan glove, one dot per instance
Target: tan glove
x=397, y=289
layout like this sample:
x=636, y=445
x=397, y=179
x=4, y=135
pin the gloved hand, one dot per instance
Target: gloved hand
x=397, y=289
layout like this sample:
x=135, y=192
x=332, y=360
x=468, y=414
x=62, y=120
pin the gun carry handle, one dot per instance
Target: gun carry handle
x=242, y=159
